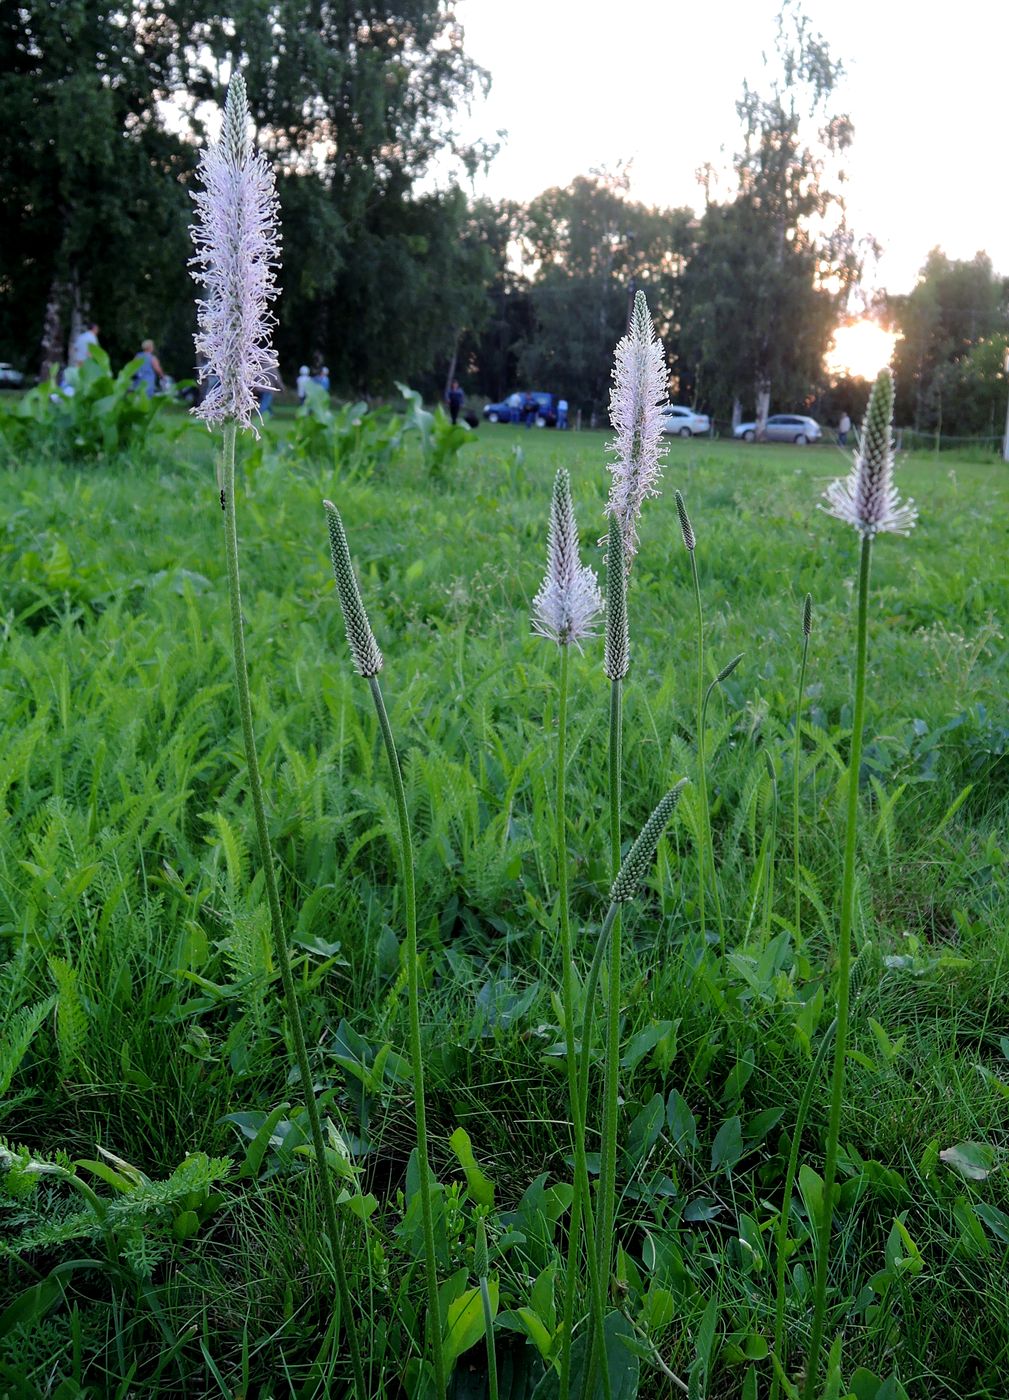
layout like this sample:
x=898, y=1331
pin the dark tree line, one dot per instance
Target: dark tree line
x=103, y=107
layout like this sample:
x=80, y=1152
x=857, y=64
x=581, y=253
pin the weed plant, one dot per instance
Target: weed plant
x=142, y=1022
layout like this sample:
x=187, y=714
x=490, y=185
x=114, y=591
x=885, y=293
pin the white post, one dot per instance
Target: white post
x=1005, y=440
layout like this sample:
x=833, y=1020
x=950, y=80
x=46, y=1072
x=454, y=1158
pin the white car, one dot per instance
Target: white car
x=10, y=378
x=684, y=421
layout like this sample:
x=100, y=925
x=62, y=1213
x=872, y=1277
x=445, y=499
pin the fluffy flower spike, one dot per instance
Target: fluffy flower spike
x=867, y=497
x=237, y=252
x=636, y=401
x=617, y=650
x=569, y=600
x=364, y=650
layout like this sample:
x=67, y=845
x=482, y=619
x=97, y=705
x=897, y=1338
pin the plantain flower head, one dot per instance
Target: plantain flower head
x=636, y=402
x=237, y=252
x=867, y=497
x=569, y=599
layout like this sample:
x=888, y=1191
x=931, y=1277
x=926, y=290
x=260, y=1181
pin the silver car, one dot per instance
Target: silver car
x=783, y=427
x=684, y=421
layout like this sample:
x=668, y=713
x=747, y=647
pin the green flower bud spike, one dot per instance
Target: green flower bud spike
x=617, y=655
x=364, y=650
x=638, y=860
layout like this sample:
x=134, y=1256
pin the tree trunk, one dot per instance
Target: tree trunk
x=737, y=413
x=453, y=362
x=763, y=392
x=51, y=348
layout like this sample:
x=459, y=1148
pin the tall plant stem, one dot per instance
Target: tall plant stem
x=781, y=1241
x=488, y=1327
x=843, y=981
x=413, y=989
x=705, y=846
x=608, y=1159
x=580, y=1203
x=280, y=949
x=796, y=761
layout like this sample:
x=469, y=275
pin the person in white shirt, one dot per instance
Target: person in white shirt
x=303, y=381
x=83, y=344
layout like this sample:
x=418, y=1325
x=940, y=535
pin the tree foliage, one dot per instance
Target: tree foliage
x=774, y=263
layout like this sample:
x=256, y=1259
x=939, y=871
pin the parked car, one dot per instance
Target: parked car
x=784, y=427
x=10, y=378
x=510, y=411
x=684, y=421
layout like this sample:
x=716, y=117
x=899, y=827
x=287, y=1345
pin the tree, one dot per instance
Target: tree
x=93, y=209
x=955, y=307
x=591, y=248
x=773, y=265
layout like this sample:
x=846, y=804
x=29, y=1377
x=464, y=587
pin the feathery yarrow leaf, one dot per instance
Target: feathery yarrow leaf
x=686, y=528
x=569, y=599
x=638, y=860
x=364, y=650
x=867, y=497
x=237, y=252
x=616, y=650
x=636, y=402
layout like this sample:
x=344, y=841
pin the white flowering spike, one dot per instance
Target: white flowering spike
x=569, y=600
x=636, y=402
x=237, y=252
x=867, y=497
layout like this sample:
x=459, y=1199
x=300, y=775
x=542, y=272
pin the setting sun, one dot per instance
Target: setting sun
x=860, y=348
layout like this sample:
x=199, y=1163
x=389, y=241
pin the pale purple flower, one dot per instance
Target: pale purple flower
x=237, y=251
x=867, y=497
x=636, y=402
x=569, y=599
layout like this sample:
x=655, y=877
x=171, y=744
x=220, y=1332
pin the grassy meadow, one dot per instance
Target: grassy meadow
x=144, y=1036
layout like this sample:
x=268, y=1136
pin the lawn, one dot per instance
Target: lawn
x=133, y=921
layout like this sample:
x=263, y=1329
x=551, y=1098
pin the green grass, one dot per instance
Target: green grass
x=129, y=888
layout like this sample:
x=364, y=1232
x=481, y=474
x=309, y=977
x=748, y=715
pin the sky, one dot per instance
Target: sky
x=582, y=85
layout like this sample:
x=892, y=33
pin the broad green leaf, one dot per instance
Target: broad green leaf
x=464, y=1325
x=644, y=1131
x=481, y=1188
x=727, y=1147
x=973, y=1160
x=681, y=1123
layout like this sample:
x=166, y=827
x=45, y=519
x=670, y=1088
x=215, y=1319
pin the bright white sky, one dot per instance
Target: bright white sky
x=578, y=85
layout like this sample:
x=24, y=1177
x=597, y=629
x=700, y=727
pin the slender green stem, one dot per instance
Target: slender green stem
x=596, y=1275
x=608, y=1148
x=705, y=850
x=781, y=1242
x=843, y=980
x=276, y=916
x=413, y=995
x=580, y=1203
x=796, y=762
x=488, y=1327
x=772, y=841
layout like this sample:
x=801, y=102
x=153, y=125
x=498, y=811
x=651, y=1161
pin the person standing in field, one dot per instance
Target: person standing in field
x=454, y=397
x=302, y=383
x=148, y=373
x=562, y=413
x=843, y=429
x=83, y=344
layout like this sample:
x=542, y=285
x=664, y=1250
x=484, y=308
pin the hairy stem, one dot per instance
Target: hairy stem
x=705, y=850
x=280, y=949
x=796, y=761
x=413, y=992
x=791, y=1171
x=843, y=981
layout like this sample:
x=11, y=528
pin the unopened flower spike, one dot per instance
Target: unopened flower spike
x=807, y=615
x=237, y=250
x=867, y=497
x=364, y=650
x=569, y=599
x=617, y=652
x=636, y=402
x=686, y=529
x=637, y=862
